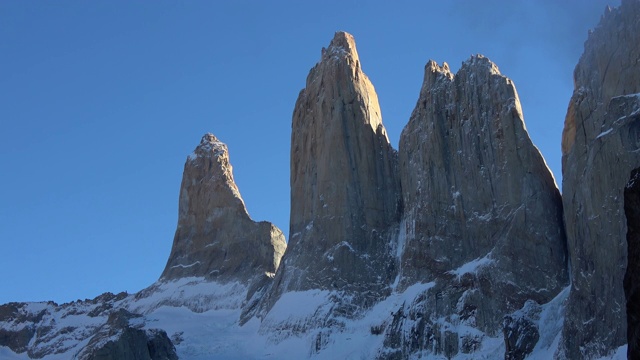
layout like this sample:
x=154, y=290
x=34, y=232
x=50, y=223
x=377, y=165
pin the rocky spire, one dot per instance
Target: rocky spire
x=215, y=237
x=344, y=184
x=482, y=214
x=600, y=153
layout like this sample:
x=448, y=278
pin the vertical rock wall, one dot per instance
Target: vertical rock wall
x=215, y=237
x=344, y=184
x=477, y=191
x=600, y=148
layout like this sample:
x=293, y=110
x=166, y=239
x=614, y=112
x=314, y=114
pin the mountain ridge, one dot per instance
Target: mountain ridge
x=453, y=246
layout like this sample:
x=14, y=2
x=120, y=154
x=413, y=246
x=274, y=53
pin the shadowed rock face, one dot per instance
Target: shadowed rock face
x=632, y=275
x=119, y=340
x=600, y=144
x=23, y=326
x=477, y=190
x=215, y=237
x=474, y=185
x=344, y=184
x=482, y=217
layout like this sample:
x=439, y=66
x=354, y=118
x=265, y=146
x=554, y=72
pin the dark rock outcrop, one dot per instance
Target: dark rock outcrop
x=600, y=149
x=520, y=331
x=216, y=238
x=118, y=339
x=18, y=325
x=520, y=337
x=42, y=329
x=631, y=282
x=344, y=183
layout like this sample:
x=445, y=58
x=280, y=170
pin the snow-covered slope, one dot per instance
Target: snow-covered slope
x=452, y=248
x=184, y=308
x=202, y=319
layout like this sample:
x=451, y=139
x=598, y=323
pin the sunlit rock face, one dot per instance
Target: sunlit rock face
x=600, y=145
x=452, y=247
x=466, y=227
x=216, y=238
x=482, y=214
x=344, y=184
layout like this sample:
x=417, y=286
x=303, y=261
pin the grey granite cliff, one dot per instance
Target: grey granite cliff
x=344, y=185
x=216, y=238
x=600, y=154
x=482, y=214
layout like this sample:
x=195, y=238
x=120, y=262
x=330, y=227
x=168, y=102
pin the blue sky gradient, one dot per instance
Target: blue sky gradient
x=101, y=102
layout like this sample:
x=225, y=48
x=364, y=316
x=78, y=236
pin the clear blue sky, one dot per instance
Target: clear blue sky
x=101, y=102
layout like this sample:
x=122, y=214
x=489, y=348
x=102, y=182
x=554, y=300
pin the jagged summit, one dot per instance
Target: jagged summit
x=475, y=64
x=215, y=237
x=344, y=40
x=342, y=46
x=432, y=66
x=210, y=159
x=209, y=146
x=209, y=138
x=479, y=61
x=339, y=66
x=344, y=182
x=480, y=208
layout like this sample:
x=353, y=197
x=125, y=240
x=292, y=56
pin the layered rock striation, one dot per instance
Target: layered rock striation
x=600, y=152
x=482, y=214
x=344, y=185
x=216, y=238
x=475, y=187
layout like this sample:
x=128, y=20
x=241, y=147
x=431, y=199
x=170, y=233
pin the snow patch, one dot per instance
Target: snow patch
x=345, y=244
x=636, y=95
x=7, y=354
x=604, y=133
x=198, y=336
x=618, y=354
x=186, y=266
x=298, y=305
x=550, y=327
x=400, y=245
x=195, y=293
x=472, y=266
